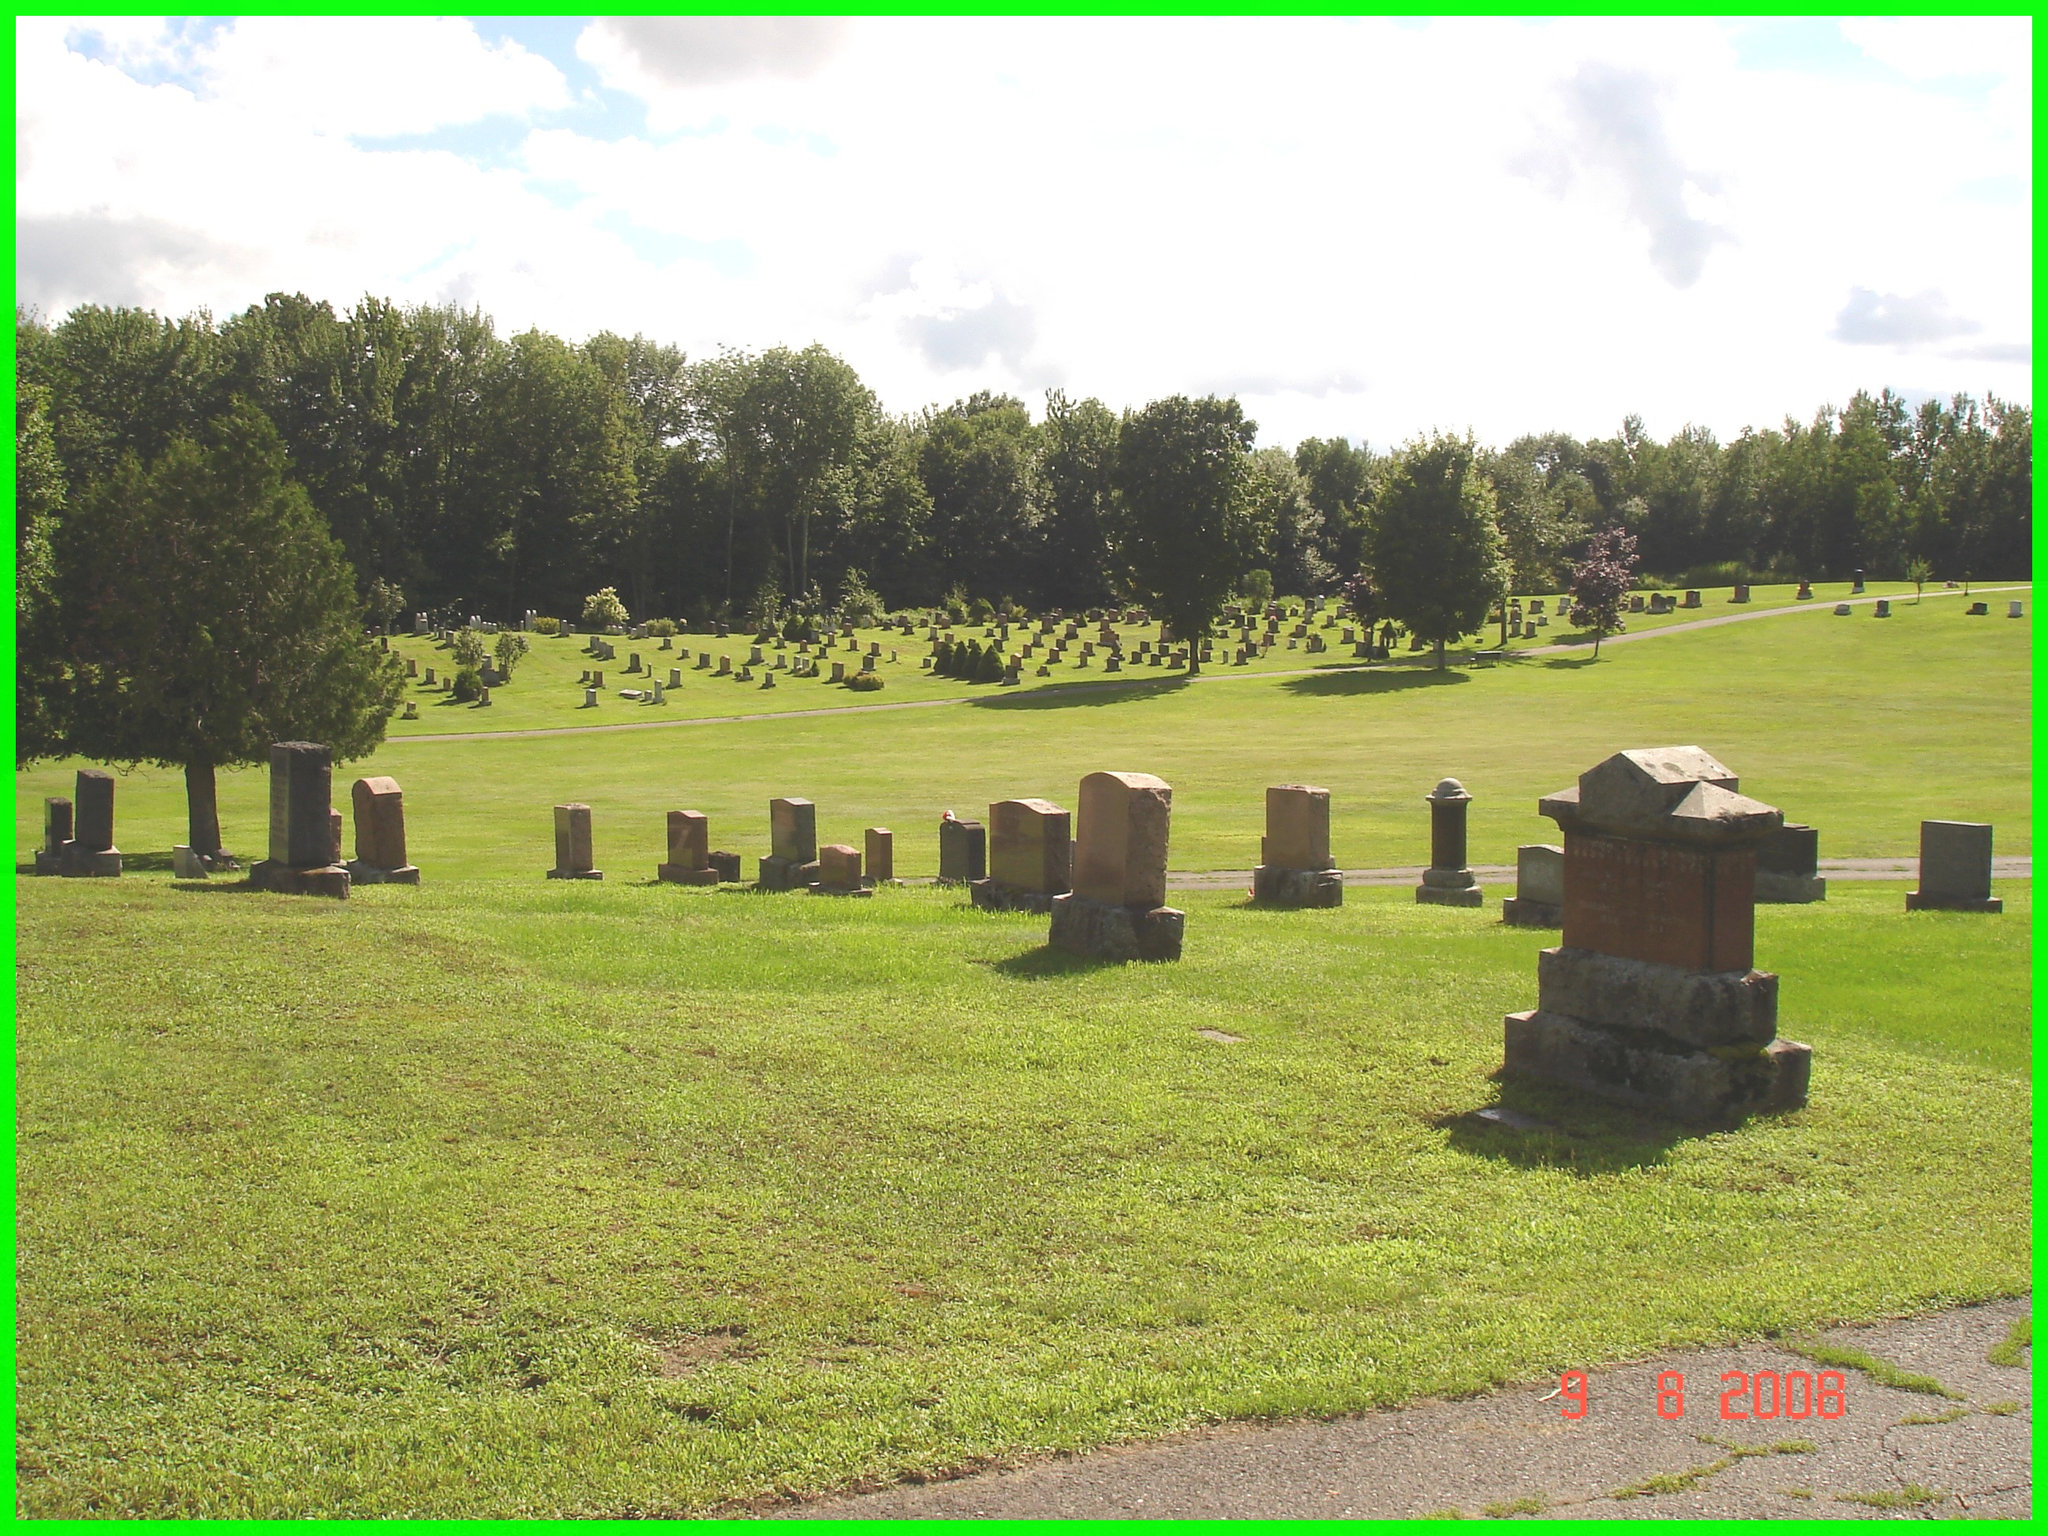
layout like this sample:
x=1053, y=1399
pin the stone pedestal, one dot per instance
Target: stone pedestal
x=1030, y=857
x=1104, y=930
x=779, y=874
x=380, y=859
x=1295, y=868
x=1652, y=1000
x=1955, y=869
x=963, y=852
x=1448, y=882
x=689, y=850
x=1538, y=901
x=726, y=864
x=1788, y=866
x=303, y=858
x=839, y=872
x=573, y=855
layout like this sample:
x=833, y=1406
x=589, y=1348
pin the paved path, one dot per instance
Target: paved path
x=1904, y=867
x=1512, y=1452
x=1133, y=683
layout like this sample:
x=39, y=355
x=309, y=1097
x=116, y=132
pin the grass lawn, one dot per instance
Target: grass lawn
x=1859, y=726
x=501, y=1196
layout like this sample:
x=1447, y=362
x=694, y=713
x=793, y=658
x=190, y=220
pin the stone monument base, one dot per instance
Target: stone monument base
x=820, y=888
x=676, y=874
x=310, y=880
x=575, y=874
x=46, y=861
x=77, y=862
x=1649, y=1071
x=1916, y=901
x=370, y=874
x=1449, y=888
x=1783, y=889
x=1100, y=930
x=727, y=864
x=1284, y=887
x=994, y=896
x=1527, y=912
x=787, y=874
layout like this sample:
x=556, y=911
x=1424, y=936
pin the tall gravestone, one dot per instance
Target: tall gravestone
x=792, y=863
x=1653, y=999
x=1955, y=869
x=1117, y=909
x=1538, y=901
x=1030, y=857
x=57, y=834
x=1449, y=881
x=91, y=851
x=379, y=807
x=1295, y=868
x=574, y=855
x=302, y=858
x=881, y=855
x=689, y=850
x=1788, y=866
x=963, y=851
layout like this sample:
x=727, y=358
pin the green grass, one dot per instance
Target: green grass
x=2018, y=1339
x=1692, y=1477
x=503, y=1196
x=1860, y=728
x=1911, y=1496
x=1884, y=1372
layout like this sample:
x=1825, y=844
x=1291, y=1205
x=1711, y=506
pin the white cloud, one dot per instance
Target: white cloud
x=647, y=54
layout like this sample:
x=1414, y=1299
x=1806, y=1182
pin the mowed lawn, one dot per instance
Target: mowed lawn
x=509, y=1197
x=1859, y=726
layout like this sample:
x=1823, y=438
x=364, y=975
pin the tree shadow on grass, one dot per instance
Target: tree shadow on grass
x=1037, y=964
x=1377, y=680
x=1569, y=663
x=1069, y=695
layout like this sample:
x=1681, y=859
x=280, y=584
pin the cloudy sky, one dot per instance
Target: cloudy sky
x=1366, y=228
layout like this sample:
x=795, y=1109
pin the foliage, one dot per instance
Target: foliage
x=543, y=625
x=990, y=668
x=602, y=609
x=38, y=627
x=1185, y=524
x=661, y=629
x=386, y=602
x=1256, y=587
x=1436, y=553
x=954, y=605
x=1288, y=526
x=467, y=648
x=210, y=614
x=865, y=682
x=1601, y=583
x=467, y=685
x=508, y=651
x=1362, y=601
x=858, y=606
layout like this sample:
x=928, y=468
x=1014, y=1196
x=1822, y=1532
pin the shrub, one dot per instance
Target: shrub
x=859, y=607
x=510, y=648
x=543, y=626
x=980, y=611
x=991, y=668
x=469, y=685
x=602, y=609
x=661, y=627
x=865, y=682
x=954, y=605
x=1258, y=587
x=468, y=648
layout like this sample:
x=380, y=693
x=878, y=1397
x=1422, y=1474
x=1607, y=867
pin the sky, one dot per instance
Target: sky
x=1361, y=228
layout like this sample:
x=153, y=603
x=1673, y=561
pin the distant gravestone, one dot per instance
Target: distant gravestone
x=1741, y=595
x=1030, y=857
x=1804, y=594
x=1691, y=600
x=1843, y=610
x=1295, y=868
x=379, y=807
x=1538, y=901
x=573, y=853
x=1856, y=588
x=1980, y=610
x=839, y=872
x=963, y=851
x=303, y=858
x=1882, y=608
x=689, y=850
x=1653, y=999
x=793, y=845
x=1449, y=881
x=1788, y=866
x=1117, y=909
x=2015, y=609
x=1955, y=869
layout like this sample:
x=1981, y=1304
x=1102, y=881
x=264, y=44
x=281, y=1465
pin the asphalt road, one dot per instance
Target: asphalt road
x=1513, y=1451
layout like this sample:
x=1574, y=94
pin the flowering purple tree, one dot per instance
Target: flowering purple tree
x=1600, y=583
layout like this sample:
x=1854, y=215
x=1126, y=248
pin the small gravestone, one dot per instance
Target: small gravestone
x=412, y=710
x=590, y=698
x=304, y=860
x=1448, y=882
x=793, y=839
x=632, y=661
x=725, y=666
x=839, y=872
x=334, y=834
x=573, y=858
x=2015, y=609
x=379, y=807
x=1788, y=866
x=188, y=865
x=675, y=677
x=689, y=850
x=1741, y=595
x=963, y=851
x=660, y=694
x=1635, y=605
x=1030, y=857
x=412, y=666
x=1843, y=610
x=1882, y=609
x=1856, y=588
x=597, y=679
x=1117, y=910
x=57, y=834
x=881, y=855
x=1538, y=901
x=726, y=864
x=1692, y=599
x=1979, y=610
x=431, y=680
x=1955, y=869
x=1804, y=594
x=1295, y=868
x=1653, y=999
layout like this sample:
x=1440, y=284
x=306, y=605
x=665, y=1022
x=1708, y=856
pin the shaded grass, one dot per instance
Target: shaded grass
x=1860, y=728
x=517, y=1197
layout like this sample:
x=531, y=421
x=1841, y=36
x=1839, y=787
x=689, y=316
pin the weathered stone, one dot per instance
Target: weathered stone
x=1741, y=595
x=1712, y=1087
x=963, y=851
x=379, y=808
x=1104, y=930
x=689, y=850
x=1538, y=901
x=839, y=871
x=1030, y=846
x=1692, y=600
x=1788, y=866
x=1282, y=885
x=1123, y=833
x=1955, y=868
x=1700, y=1008
x=188, y=865
x=793, y=829
x=2015, y=609
x=57, y=834
x=880, y=850
x=726, y=864
x=1297, y=827
x=573, y=854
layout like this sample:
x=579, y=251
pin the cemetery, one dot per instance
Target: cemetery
x=573, y=1165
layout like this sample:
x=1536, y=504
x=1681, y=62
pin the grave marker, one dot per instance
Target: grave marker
x=1030, y=857
x=689, y=850
x=379, y=807
x=57, y=834
x=881, y=855
x=1788, y=866
x=963, y=851
x=1116, y=909
x=304, y=859
x=1449, y=881
x=839, y=872
x=1538, y=901
x=793, y=845
x=573, y=860
x=1295, y=868
x=1955, y=869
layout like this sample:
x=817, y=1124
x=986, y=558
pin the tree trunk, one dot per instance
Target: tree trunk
x=202, y=810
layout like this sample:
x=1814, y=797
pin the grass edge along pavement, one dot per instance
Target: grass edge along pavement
x=507, y=1197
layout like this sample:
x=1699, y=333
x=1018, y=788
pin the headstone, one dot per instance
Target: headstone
x=597, y=679
x=2015, y=609
x=881, y=855
x=1692, y=599
x=1538, y=901
x=689, y=850
x=1116, y=909
x=304, y=857
x=703, y=661
x=430, y=677
x=1635, y=605
x=1882, y=608
x=660, y=694
x=1652, y=1000
x=1295, y=868
x=483, y=698
x=838, y=671
x=1856, y=588
x=187, y=865
x=379, y=807
x=412, y=710
x=334, y=834
x=839, y=872
x=1955, y=869
x=1030, y=857
x=632, y=661
x=1804, y=594
x=57, y=834
x=1449, y=881
x=1741, y=594
x=725, y=666
x=726, y=864
x=1843, y=610
x=590, y=698
x=573, y=860
x=793, y=845
x=412, y=666
x=1979, y=610
x=963, y=851
x=1788, y=866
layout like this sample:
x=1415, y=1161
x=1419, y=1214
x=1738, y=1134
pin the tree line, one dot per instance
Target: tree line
x=474, y=473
